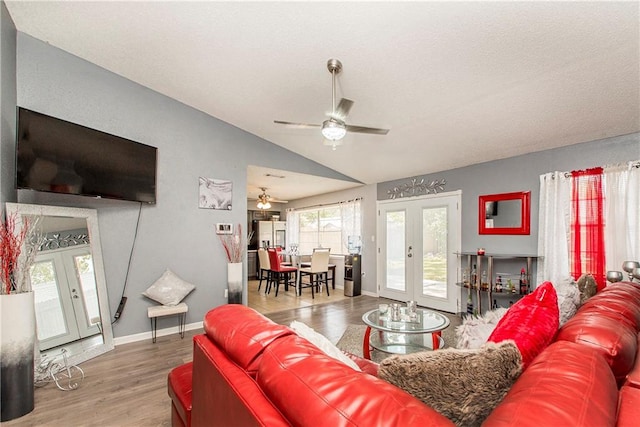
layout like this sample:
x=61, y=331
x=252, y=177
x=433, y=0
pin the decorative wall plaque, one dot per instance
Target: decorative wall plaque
x=416, y=188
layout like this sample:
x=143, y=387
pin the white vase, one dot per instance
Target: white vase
x=17, y=341
x=234, y=282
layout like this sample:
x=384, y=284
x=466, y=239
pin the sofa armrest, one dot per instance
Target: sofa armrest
x=224, y=394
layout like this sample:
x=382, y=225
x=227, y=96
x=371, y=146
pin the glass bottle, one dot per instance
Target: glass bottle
x=474, y=277
x=524, y=286
x=465, y=277
x=499, y=283
x=483, y=281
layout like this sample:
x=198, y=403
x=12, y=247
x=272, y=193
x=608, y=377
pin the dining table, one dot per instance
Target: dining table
x=297, y=261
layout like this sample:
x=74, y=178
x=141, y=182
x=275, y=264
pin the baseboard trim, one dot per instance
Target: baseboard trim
x=127, y=339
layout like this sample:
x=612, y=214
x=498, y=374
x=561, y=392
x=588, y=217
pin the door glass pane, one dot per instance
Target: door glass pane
x=84, y=271
x=49, y=314
x=396, y=272
x=434, y=252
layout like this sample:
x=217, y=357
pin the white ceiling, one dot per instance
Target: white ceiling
x=284, y=186
x=457, y=83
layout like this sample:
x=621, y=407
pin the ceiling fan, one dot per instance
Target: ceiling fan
x=335, y=128
x=264, y=200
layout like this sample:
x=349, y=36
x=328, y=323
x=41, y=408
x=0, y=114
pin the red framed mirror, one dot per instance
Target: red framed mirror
x=506, y=213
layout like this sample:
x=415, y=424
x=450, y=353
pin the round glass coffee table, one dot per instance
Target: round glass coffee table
x=404, y=336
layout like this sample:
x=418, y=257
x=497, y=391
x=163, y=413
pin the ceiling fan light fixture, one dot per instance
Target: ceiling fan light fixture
x=333, y=130
x=262, y=205
x=263, y=200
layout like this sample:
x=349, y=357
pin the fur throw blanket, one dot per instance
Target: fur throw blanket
x=463, y=385
x=475, y=330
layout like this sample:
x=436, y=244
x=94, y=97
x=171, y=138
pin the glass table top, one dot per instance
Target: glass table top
x=426, y=321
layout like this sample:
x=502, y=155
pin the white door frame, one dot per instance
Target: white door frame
x=412, y=206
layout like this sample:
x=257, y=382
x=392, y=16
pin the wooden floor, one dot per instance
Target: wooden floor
x=128, y=386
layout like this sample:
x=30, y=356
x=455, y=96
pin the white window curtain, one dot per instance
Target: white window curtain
x=621, y=219
x=351, y=223
x=553, y=228
x=293, y=231
x=622, y=214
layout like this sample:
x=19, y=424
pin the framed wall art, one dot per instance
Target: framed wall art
x=215, y=194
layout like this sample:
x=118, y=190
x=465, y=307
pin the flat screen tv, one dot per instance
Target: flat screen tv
x=57, y=156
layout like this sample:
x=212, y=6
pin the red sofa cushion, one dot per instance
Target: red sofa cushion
x=629, y=406
x=242, y=333
x=567, y=385
x=310, y=388
x=633, y=377
x=531, y=322
x=616, y=304
x=180, y=388
x=610, y=333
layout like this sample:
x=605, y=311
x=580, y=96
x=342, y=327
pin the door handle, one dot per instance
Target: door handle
x=410, y=254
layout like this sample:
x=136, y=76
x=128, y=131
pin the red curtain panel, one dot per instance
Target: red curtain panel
x=587, y=225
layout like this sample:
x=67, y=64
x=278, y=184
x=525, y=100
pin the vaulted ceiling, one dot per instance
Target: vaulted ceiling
x=457, y=83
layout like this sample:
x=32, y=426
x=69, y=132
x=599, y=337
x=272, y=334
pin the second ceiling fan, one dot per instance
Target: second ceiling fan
x=335, y=127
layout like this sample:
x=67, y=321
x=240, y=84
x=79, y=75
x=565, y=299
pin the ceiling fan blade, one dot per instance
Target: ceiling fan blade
x=363, y=129
x=342, y=111
x=296, y=125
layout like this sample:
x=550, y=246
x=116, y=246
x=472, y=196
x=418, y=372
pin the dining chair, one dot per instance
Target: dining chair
x=265, y=267
x=282, y=256
x=318, y=272
x=279, y=272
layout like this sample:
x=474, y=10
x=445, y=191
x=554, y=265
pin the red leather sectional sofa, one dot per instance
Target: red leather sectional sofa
x=249, y=371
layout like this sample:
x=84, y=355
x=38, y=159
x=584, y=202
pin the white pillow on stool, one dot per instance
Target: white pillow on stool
x=169, y=289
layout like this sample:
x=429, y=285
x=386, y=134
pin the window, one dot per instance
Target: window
x=324, y=226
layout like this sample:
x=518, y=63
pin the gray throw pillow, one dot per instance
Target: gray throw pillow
x=169, y=289
x=587, y=286
x=463, y=385
x=568, y=298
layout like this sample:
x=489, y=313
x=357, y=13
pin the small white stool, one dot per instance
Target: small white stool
x=167, y=310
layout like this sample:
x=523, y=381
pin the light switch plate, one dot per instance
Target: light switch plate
x=224, y=228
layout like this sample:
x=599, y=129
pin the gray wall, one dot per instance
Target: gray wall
x=7, y=106
x=174, y=233
x=521, y=173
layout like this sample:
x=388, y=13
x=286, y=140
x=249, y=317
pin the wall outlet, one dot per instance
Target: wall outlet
x=118, y=313
x=226, y=293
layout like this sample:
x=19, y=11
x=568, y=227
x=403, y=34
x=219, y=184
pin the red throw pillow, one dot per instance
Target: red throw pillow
x=531, y=322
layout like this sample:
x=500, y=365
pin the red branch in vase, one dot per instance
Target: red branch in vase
x=233, y=245
x=10, y=248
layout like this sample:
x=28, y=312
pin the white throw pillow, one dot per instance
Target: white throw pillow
x=322, y=343
x=169, y=289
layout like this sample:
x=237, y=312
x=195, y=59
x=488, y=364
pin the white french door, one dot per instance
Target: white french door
x=418, y=239
x=66, y=301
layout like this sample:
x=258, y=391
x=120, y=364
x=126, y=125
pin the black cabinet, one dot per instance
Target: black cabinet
x=352, y=275
x=252, y=261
